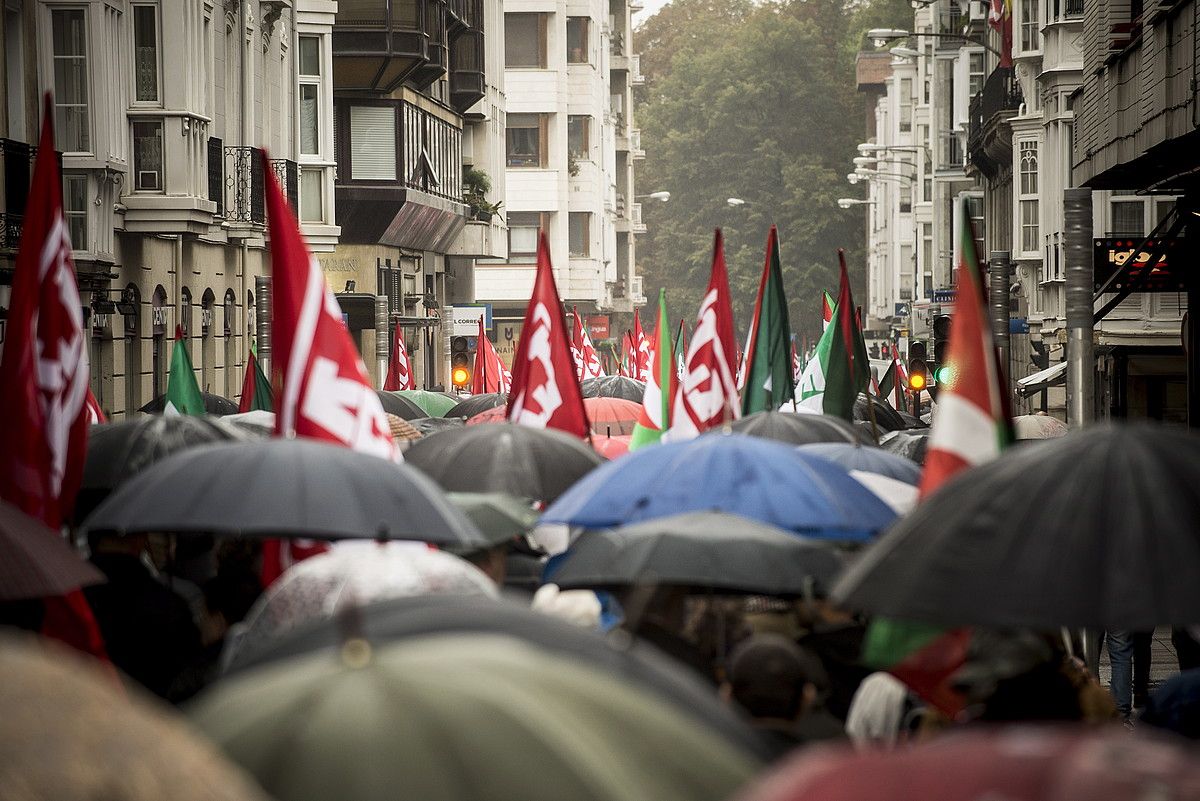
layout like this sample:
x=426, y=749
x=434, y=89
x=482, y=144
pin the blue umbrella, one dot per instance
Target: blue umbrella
x=738, y=474
x=869, y=460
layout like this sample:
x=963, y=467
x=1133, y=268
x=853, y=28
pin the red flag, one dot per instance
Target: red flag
x=707, y=395
x=545, y=392
x=583, y=349
x=489, y=373
x=399, y=375
x=901, y=378
x=44, y=382
x=641, y=350
x=94, y=413
x=323, y=392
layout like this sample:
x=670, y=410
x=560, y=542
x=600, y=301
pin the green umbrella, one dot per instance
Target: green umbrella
x=498, y=515
x=455, y=717
x=434, y=404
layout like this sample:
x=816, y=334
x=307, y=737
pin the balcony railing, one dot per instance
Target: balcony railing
x=1001, y=93
x=243, y=198
x=16, y=159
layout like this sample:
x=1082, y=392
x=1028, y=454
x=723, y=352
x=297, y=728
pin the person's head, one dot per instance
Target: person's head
x=773, y=678
x=492, y=561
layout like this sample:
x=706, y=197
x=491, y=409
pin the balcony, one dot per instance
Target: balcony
x=989, y=144
x=635, y=144
x=950, y=152
x=636, y=226
x=635, y=71
x=467, y=83
x=16, y=159
x=379, y=44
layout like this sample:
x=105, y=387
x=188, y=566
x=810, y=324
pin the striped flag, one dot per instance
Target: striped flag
x=655, y=416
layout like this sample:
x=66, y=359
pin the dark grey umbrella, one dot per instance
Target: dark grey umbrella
x=911, y=444
x=910, y=421
x=432, y=425
x=500, y=457
x=284, y=488
x=886, y=418
x=469, y=407
x=117, y=451
x=797, y=428
x=399, y=405
x=1100, y=528
x=35, y=562
x=613, y=386
x=706, y=550
x=213, y=404
x=870, y=460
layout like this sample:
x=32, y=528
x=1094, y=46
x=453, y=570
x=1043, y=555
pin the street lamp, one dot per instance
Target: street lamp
x=735, y=201
x=847, y=202
x=882, y=36
x=904, y=52
x=664, y=196
x=871, y=147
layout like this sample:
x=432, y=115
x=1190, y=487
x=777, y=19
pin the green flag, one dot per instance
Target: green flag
x=655, y=415
x=888, y=383
x=768, y=372
x=847, y=371
x=183, y=393
x=256, y=389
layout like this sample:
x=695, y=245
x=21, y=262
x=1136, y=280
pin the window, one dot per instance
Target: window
x=580, y=224
x=372, y=143
x=309, y=59
x=526, y=140
x=577, y=40
x=906, y=110
x=976, y=73
x=1128, y=214
x=1030, y=26
x=1027, y=198
x=523, y=235
x=75, y=206
x=525, y=40
x=148, y=155
x=926, y=248
x=145, y=54
x=578, y=128
x=312, y=207
x=69, y=32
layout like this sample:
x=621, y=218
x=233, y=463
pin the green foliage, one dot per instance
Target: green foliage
x=755, y=101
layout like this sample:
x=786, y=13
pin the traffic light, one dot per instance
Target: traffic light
x=460, y=361
x=943, y=371
x=918, y=369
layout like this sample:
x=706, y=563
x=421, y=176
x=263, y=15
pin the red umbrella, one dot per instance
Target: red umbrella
x=611, y=447
x=494, y=415
x=1016, y=763
x=611, y=415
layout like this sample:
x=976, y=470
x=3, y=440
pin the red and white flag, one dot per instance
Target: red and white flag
x=707, y=394
x=641, y=350
x=44, y=382
x=94, y=413
x=972, y=424
x=901, y=381
x=489, y=373
x=581, y=346
x=323, y=392
x=797, y=365
x=545, y=392
x=399, y=374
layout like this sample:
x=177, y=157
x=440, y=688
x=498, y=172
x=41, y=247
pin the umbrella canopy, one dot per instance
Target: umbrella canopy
x=796, y=429
x=399, y=405
x=886, y=418
x=613, y=386
x=869, y=460
x=610, y=416
x=71, y=733
x=1111, y=541
x=704, y=550
x=630, y=661
x=213, y=404
x=909, y=444
x=498, y=516
x=432, y=425
x=527, y=462
x=284, y=488
x=461, y=718
x=35, y=562
x=910, y=421
x=257, y=423
x=1015, y=762
x=762, y=480
x=496, y=414
x=117, y=451
x=1038, y=426
x=434, y=404
x=611, y=447
x=475, y=404
x=351, y=574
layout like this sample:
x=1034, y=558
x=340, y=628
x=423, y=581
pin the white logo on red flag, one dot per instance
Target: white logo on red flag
x=399, y=371
x=540, y=398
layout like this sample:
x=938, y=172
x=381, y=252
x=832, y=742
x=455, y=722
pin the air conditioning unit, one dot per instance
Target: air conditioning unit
x=149, y=180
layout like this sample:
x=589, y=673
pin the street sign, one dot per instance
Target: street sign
x=942, y=296
x=464, y=320
x=1113, y=255
x=597, y=325
x=1018, y=325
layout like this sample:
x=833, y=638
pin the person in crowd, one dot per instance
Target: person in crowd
x=1187, y=647
x=878, y=712
x=491, y=561
x=782, y=687
x=148, y=629
x=1175, y=706
x=836, y=637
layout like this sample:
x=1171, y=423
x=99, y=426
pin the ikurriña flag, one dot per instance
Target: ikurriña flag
x=183, y=391
x=655, y=415
x=768, y=369
x=256, y=389
x=545, y=390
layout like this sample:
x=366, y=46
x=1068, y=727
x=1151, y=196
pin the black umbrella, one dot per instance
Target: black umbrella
x=475, y=404
x=213, y=404
x=1100, y=528
x=886, y=418
x=617, y=654
x=399, y=405
x=797, y=429
x=613, y=386
x=704, y=550
x=35, y=562
x=284, y=488
x=911, y=444
x=117, y=451
x=432, y=425
x=500, y=457
x=910, y=421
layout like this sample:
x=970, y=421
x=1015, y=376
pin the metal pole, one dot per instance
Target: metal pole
x=381, y=337
x=262, y=320
x=1188, y=207
x=1081, y=360
x=1000, y=274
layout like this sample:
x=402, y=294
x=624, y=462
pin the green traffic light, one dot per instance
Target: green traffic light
x=944, y=374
